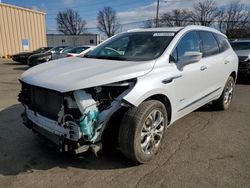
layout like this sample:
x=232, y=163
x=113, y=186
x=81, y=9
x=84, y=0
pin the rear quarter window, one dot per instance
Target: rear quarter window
x=222, y=42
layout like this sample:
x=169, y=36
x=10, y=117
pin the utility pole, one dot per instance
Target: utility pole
x=157, y=13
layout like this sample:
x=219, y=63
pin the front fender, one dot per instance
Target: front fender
x=150, y=85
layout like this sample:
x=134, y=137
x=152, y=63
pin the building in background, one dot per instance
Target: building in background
x=21, y=29
x=72, y=40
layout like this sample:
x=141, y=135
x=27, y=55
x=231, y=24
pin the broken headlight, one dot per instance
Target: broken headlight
x=96, y=105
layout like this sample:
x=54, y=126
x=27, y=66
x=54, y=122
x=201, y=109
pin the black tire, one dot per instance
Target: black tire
x=132, y=124
x=221, y=103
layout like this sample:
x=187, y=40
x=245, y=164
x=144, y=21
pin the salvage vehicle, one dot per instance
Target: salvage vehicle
x=23, y=56
x=140, y=82
x=242, y=49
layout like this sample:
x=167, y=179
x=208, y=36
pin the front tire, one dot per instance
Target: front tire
x=225, y=99
x=141, y=131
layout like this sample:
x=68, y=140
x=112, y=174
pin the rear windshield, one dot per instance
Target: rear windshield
x=240, y=45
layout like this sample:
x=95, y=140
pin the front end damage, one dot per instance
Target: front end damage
x=74, y=121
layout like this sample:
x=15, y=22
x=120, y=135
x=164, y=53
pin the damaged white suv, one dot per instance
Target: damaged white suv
x=142, y=81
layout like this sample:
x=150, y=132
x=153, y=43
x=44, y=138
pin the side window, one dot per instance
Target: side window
x=190, y=42
x=209, y=44
x=222, y=41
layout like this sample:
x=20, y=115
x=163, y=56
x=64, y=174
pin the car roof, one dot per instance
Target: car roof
x=176, y=29
x=158, y=29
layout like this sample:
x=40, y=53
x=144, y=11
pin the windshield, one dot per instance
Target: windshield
x=43, y=49
x=137, y=46
x=241, y=45
x=78, y=50
x=39, y=50
x=57, y=49
x=66, y=50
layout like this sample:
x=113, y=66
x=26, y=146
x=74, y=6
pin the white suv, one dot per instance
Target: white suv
x=138, y=82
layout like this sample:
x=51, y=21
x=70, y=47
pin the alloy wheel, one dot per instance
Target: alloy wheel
x=152, y=131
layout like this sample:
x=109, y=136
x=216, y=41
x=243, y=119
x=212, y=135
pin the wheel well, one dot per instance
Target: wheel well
x=110, y=133
x=233, y=74
x=164, y=99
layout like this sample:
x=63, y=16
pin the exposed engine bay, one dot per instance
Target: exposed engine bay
x=74, y=120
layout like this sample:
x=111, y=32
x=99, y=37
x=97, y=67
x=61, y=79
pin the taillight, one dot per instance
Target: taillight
x=69, y=55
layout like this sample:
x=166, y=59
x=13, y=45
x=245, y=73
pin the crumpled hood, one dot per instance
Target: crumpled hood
x=74, y=73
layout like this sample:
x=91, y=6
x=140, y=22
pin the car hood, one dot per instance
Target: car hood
x=23, y=54
x=243, y=52
x=74, y=73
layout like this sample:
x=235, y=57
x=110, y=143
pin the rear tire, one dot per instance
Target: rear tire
x=141, y=131
x=225, y=99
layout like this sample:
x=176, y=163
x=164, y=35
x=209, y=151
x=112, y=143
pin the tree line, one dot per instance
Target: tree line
x=232, y=19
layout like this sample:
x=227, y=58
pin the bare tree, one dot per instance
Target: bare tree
x=205, y=12
x=69, y=22
x=177, y=17
x=107, y=21
x=235, y=18
x=149, y=23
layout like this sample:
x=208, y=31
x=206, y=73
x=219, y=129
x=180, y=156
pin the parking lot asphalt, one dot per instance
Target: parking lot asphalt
x=206, y=148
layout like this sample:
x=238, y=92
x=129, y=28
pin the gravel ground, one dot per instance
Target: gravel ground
x=204, y=149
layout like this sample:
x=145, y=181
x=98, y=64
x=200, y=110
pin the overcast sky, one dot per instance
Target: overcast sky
x=127, y=10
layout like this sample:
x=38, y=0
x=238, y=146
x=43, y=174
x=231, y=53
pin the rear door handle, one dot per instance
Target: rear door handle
x=203, y=68
x=226, y=62
x=168, y=80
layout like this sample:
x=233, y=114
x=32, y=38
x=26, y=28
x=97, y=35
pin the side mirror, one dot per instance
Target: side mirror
x=190, y=57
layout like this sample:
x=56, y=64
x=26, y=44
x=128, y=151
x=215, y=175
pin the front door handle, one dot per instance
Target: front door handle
x=203, y=68
x=168, y=80
x=226, y=62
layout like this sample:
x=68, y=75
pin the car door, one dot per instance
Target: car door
x=213, y=63
x=189, y=86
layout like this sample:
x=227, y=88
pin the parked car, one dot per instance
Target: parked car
x=161, y=75
x=79, y=51
x=45, y=56
x=62, y=53
x=23, y=56
x=242, y=49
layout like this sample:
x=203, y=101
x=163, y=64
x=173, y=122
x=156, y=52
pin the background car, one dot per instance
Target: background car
x=242, y=49
x=44, y=57
x=63, y=53
x=23, y=56
x=79, y=51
